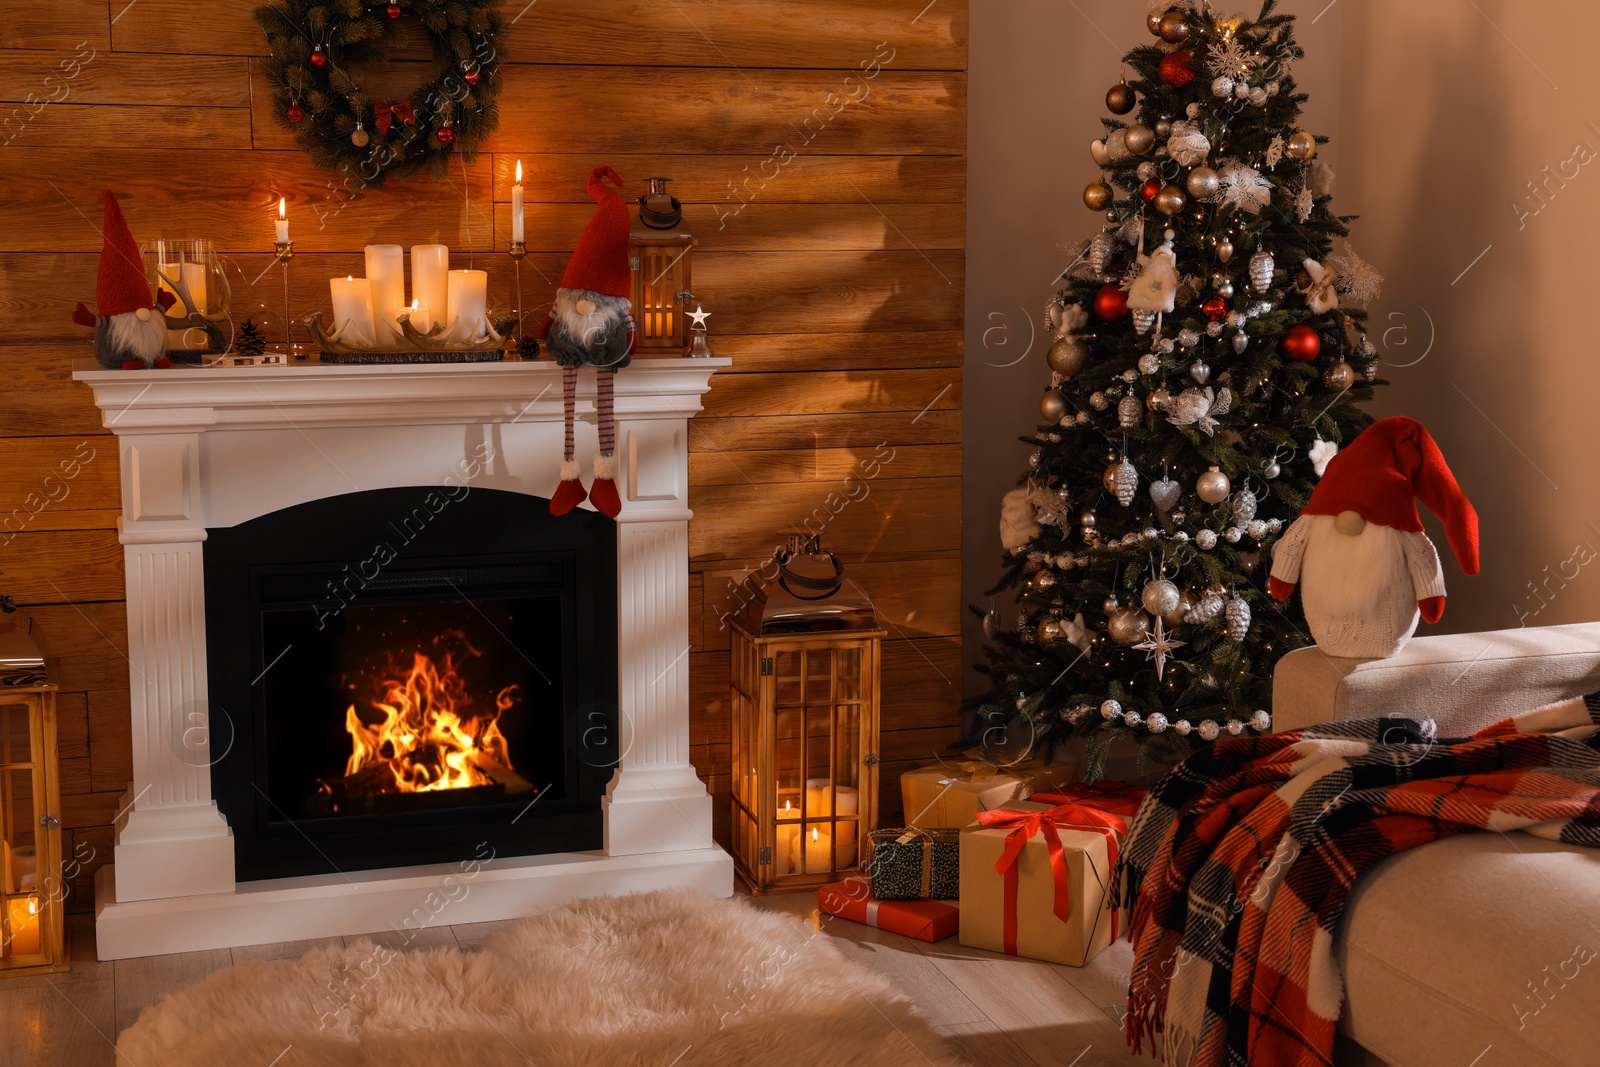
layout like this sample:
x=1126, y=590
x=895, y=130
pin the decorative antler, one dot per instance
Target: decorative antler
x=413, y=341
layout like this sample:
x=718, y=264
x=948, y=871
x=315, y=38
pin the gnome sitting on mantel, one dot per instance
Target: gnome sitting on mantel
x=131, y=329
x=1366, y=569
x=591, y=324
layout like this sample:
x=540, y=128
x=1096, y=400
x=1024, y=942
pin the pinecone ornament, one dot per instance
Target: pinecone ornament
x=1124, y=481
x=1101, y=246
x=1261, y=268
x=1237, y=615
x=1244, y=507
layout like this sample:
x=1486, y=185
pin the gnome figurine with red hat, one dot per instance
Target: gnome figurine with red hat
x=591, y=324
x=1366, y=569
x=130, y=329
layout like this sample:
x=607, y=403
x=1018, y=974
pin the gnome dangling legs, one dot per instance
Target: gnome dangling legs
x=591, y=324
x=130, y=329
x=1367, y=571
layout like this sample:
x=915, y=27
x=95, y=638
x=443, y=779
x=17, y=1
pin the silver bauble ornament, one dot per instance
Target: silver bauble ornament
x=1068, y=355
x=1222, y=86
x=1132, y=718
x=1182, y=727
x=1206, y=539
x=1123, y=480
x=1156, y=723
x=1164, y=493
x=1237, y=615
x=1127, y=626
x=1087, y=520
x=1130, y=412
x=1261, y=268
x=1244, y=507
x=993, y=624
x=1208, y=730
x=1111, y=709
x=1223, y=285
x=1180, y=614
x=1149, y=363
x=1160, y=596
x=1224, y=249
x=1203, y=183
x=1213, y=329
x=1237, y=319
x=1052, y=406
x=1213, y=486
x=1240, y=343
x=1111, y=604
x=1261, y=721
x=1271, y=470
x=1200, y=371
x=1235, y=727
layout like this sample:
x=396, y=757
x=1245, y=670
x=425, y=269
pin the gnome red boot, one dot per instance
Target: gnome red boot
x=569, y=494
x=603, y=493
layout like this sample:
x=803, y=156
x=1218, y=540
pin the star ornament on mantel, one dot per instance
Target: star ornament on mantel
x=1158, y=646
x=700, y=315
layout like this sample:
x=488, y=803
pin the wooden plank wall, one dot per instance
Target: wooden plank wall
x=835, y=282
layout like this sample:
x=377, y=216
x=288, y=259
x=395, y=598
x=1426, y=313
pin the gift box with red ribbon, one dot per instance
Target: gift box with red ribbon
x=1117, y=798
x=1035, y=881
x=925, y=920
x=951, y=794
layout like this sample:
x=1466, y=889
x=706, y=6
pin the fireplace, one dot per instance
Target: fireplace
x=350, y=519
x=397, y=671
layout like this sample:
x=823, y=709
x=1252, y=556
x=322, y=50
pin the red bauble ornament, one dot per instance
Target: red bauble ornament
x=1301, y=344
x=1216, y=309
x=1148, y=191
x=318, y=59
x=1175, y=70
x=446, y=135
x=296, y=114
x=1110, y=303
x=393, y=11
x=470, y=77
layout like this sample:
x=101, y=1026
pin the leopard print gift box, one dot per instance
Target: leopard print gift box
x=915, y=864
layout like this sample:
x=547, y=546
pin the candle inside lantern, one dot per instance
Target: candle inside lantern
x=787, y=846
x=283, y=223
x=819, y=851
x=22, y=916
x=516, y=206
x=386, y=273
x=466, y=305
x=421, y=318
x=820, y=794
x=352, y=310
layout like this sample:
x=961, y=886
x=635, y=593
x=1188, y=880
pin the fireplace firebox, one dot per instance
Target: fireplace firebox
x=401, y=674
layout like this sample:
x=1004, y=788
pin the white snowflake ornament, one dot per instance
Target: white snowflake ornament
x=1274, y=151
x=1303, y=203
x=1244, y=187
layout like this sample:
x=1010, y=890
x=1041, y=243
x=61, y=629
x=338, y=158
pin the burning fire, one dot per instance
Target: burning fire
x=427, y=739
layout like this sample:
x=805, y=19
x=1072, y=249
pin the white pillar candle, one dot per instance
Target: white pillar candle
x=466, y=307
x=818, y=804
x=430, y=269
x=819, y=851
x=386, y=273
x=352, y=311
x=516, y=206
x=421, y=318
x=283, y=223
x=194, y=277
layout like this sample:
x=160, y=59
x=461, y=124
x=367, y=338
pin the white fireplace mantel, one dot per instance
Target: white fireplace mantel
x=214, y=447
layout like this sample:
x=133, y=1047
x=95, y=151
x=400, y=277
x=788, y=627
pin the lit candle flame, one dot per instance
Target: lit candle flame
x=281, y=212
x=814, y=837
x=415, y=306
x=519, y=172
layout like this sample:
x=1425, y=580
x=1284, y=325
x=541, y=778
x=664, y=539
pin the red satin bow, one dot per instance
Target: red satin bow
x=386, y=112
x=1025, y=824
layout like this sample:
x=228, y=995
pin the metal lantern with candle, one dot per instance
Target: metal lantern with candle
x=193, y=276
x=805, y=661
x=32, y=925
x=659, y=253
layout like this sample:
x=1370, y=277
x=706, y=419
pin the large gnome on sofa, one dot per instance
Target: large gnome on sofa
x=130, y=329
x=1366, y=569
x=591, y=324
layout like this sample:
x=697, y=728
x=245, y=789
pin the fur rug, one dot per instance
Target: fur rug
x=657, y=979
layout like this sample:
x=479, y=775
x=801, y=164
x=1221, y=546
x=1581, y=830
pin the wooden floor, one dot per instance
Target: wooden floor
x=995, y=1010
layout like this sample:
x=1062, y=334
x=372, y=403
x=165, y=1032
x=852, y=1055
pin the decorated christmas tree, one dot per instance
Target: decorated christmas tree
x=1208, y=355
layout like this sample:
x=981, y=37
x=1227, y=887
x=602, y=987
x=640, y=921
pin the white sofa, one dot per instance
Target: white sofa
x=1482, y=950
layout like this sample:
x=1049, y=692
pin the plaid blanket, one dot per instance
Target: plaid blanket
x=1238, y=864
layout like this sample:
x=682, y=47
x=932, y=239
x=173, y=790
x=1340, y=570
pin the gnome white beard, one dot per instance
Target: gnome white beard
x=604, y=312
x=1359, y=594
x=143, y=339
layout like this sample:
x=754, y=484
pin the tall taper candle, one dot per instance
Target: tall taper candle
x=516, y=206
x=283, y=223
x=386, y=271
x=430, y=270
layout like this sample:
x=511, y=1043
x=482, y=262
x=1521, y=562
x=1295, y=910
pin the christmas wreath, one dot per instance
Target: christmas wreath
x=316, y=44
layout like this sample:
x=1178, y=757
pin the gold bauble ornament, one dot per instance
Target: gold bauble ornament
x=1052, y=406
x=1153, y=23
x=1158, y=400
x=1170, y=200
x=1043, y=581
x=1203, y=182
x=1175, y=617
x=1301, y=146
x=1067, y=356
x=1120, y=98
x=1175, y=27
x=1213, y=486
x=1050, y=629
x=1096, y=195
x=1128, y=626
x=1339, y=377
x=1139, y=139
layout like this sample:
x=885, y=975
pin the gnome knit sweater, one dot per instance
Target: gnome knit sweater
x=1360, y=592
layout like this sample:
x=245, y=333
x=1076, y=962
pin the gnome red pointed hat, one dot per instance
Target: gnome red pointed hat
x=600, y=262
x=122, y=286
x=1383, y=473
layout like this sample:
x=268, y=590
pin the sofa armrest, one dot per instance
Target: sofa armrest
x=1463, y=681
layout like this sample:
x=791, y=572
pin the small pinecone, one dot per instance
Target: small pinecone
x=528, y=347
x=249, y=342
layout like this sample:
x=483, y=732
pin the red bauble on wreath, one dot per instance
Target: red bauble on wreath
x=393, y=11
x=445, y=135
x=1216, y=309
x=296, y=114
x=1110, y=303
x=1148, y=191
x=470, y=77
x=1301, y=344
x=1175, y=70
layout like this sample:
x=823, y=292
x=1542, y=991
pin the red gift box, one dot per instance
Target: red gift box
x=925, y=920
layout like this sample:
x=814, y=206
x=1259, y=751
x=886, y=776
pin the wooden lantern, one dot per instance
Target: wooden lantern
x=659, y=252
x=805, y=675
x=32, y=927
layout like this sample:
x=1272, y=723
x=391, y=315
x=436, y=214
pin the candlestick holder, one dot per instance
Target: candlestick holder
x=285, y=252
x=518, y=251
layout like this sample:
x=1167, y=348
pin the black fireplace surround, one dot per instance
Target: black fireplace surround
x=327, y=620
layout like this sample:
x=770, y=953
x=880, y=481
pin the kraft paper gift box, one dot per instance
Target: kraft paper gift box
x=1035, y=880
x=925, y=920
x=952, y=795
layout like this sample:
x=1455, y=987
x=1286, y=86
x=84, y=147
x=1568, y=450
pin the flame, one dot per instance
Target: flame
x=519, y=172
x=427, y=739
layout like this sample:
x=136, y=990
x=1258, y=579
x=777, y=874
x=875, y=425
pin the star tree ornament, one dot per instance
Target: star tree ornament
x=1158, y=646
